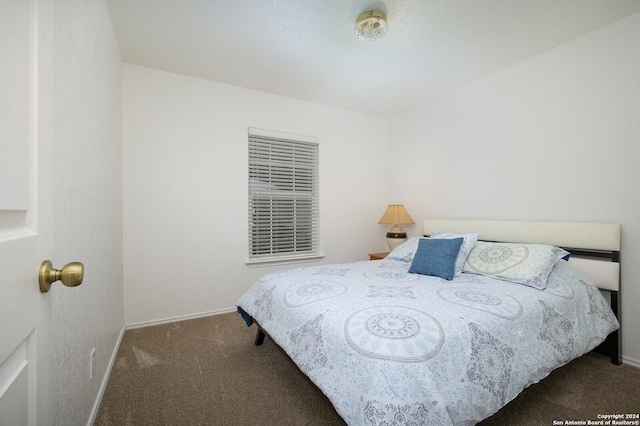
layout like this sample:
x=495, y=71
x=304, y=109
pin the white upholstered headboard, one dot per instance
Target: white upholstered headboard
x=586, y=238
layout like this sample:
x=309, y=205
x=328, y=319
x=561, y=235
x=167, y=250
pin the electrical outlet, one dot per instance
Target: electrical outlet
x=92, y=364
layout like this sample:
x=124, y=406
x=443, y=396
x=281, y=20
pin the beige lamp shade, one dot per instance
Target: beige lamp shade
x=396, y=215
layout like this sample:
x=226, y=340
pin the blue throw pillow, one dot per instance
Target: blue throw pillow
x=436, y=257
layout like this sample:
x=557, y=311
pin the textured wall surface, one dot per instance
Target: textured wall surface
x=186, y=185
x=87, y=206
x=554, y=138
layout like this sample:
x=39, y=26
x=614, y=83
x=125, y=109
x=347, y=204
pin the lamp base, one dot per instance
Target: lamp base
x=394, y=239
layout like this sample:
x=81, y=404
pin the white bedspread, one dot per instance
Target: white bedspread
x=389, y=347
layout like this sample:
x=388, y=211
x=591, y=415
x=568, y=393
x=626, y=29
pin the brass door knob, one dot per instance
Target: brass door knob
x=71, y=275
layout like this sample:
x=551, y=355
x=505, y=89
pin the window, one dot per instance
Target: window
x=283, y=196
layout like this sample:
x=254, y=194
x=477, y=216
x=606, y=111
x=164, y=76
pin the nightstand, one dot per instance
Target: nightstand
x=378, y=256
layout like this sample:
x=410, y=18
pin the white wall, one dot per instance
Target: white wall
x=185, y=188
x=556, y=137
x=87, y=203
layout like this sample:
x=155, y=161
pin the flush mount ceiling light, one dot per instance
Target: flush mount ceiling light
x=370, y=26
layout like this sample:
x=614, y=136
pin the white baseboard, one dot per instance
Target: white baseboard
x=105, y=379
x=631, y=362
x=180, y=318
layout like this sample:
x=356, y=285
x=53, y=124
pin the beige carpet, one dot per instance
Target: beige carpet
x=207, y=371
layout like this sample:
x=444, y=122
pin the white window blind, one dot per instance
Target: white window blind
x=283, y=196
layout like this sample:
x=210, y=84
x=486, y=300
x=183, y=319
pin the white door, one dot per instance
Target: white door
x=25, y=210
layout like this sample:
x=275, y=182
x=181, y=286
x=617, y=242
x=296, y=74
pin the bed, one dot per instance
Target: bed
x=447, y=329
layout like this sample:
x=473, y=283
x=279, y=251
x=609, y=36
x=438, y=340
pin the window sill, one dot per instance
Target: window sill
x=258, y=263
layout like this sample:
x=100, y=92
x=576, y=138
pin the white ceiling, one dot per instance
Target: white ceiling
x=306, y=49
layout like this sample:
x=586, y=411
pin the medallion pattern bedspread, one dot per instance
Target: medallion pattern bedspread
x=390, y=347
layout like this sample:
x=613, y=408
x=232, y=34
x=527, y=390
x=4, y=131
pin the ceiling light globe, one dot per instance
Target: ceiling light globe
x=371, y=26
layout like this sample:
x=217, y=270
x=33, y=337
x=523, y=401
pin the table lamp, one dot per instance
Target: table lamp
x=396, y=215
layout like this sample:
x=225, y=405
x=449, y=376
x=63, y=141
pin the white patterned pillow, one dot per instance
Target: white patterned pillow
x=404, y=252
x=467, y=245
x=528, y=264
